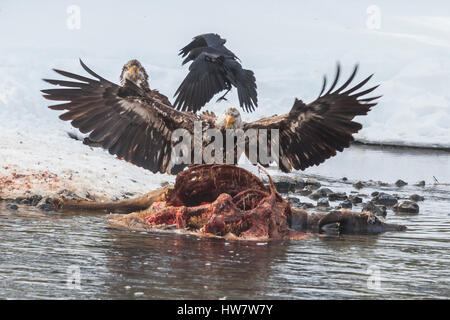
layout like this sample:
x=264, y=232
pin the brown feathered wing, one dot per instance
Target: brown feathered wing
x=311, y=133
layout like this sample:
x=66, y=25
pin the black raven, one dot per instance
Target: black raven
x=214, y=68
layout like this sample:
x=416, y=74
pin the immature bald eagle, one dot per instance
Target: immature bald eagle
x=214, y=68
x=136, y=123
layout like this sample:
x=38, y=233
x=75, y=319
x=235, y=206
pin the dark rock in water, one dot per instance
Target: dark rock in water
x=284, y=184
x=334, y=196
x=304, y=192
x=374, y=194
x=35, y=199
x=321, y=193
x=416, y=197
x=69, y=194
x=323, y=203
x=359, y=185
x=11, y=206
x=375, y=209
x=406, y=207
x=293, y=200
x=347, y=204
x=420, y=184
x=355, y=199
x=46, y=205
x=313, y=182
x=30, y=201
x=344, y=179
x=400, y=183
x=385, y=199
x=383, y=184
x=305, y=205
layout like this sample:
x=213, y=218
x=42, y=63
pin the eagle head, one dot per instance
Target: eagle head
x=230, y=119
x=134, y=71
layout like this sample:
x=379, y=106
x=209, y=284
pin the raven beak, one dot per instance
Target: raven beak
x=230, y=120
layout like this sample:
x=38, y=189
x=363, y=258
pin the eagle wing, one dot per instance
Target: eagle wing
x=127, y=121
x=311, y=133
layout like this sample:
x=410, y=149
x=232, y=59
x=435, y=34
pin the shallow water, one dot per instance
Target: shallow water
x=39, y=251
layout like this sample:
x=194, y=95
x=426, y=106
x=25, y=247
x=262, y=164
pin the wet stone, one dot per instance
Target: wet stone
x=416, y=198
x=420, y=183
x=375, y=209
x=347, y=204
x=335, y=196
x=359, y=185
x=355, y=199
x=385, y=199
x=374, y=194
x=305, y=205
x=69, y=194
x=313, y=182
x=321, y=193
x=11, y=206
x=293, y=200
x=400, y=183
x=46, y=205
x=406, y=207
x=304, y=192
x=30, y=201
x=284, y=184
x=323, y=203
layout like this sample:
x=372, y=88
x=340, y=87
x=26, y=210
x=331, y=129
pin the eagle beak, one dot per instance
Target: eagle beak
x=132, y=69
x=230, y=120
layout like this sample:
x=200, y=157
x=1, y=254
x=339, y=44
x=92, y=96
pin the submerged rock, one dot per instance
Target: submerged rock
x=375, y=209
x=385, y=199
x=416, y=197
x=321, y=193
x=46, y=205
x=355, y=199
x=347, y=204
x=284, y=184
x=420, y=184
x=359, y=185
x=313, y=182
x=293, y=200
x=334, y=196
x=29, y=201
x=407, y=207
x=305, y=205
x=323, y=203
x=11, y=206
x=400, y=183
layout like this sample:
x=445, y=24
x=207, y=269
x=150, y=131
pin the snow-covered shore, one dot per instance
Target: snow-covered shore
x=290, y=46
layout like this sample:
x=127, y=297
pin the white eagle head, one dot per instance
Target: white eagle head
x=230, y=119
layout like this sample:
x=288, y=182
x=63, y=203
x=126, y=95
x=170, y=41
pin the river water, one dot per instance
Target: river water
x=64, y=255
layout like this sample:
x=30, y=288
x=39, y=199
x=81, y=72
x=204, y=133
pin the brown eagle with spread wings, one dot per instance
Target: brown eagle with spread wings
x=136, y=123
